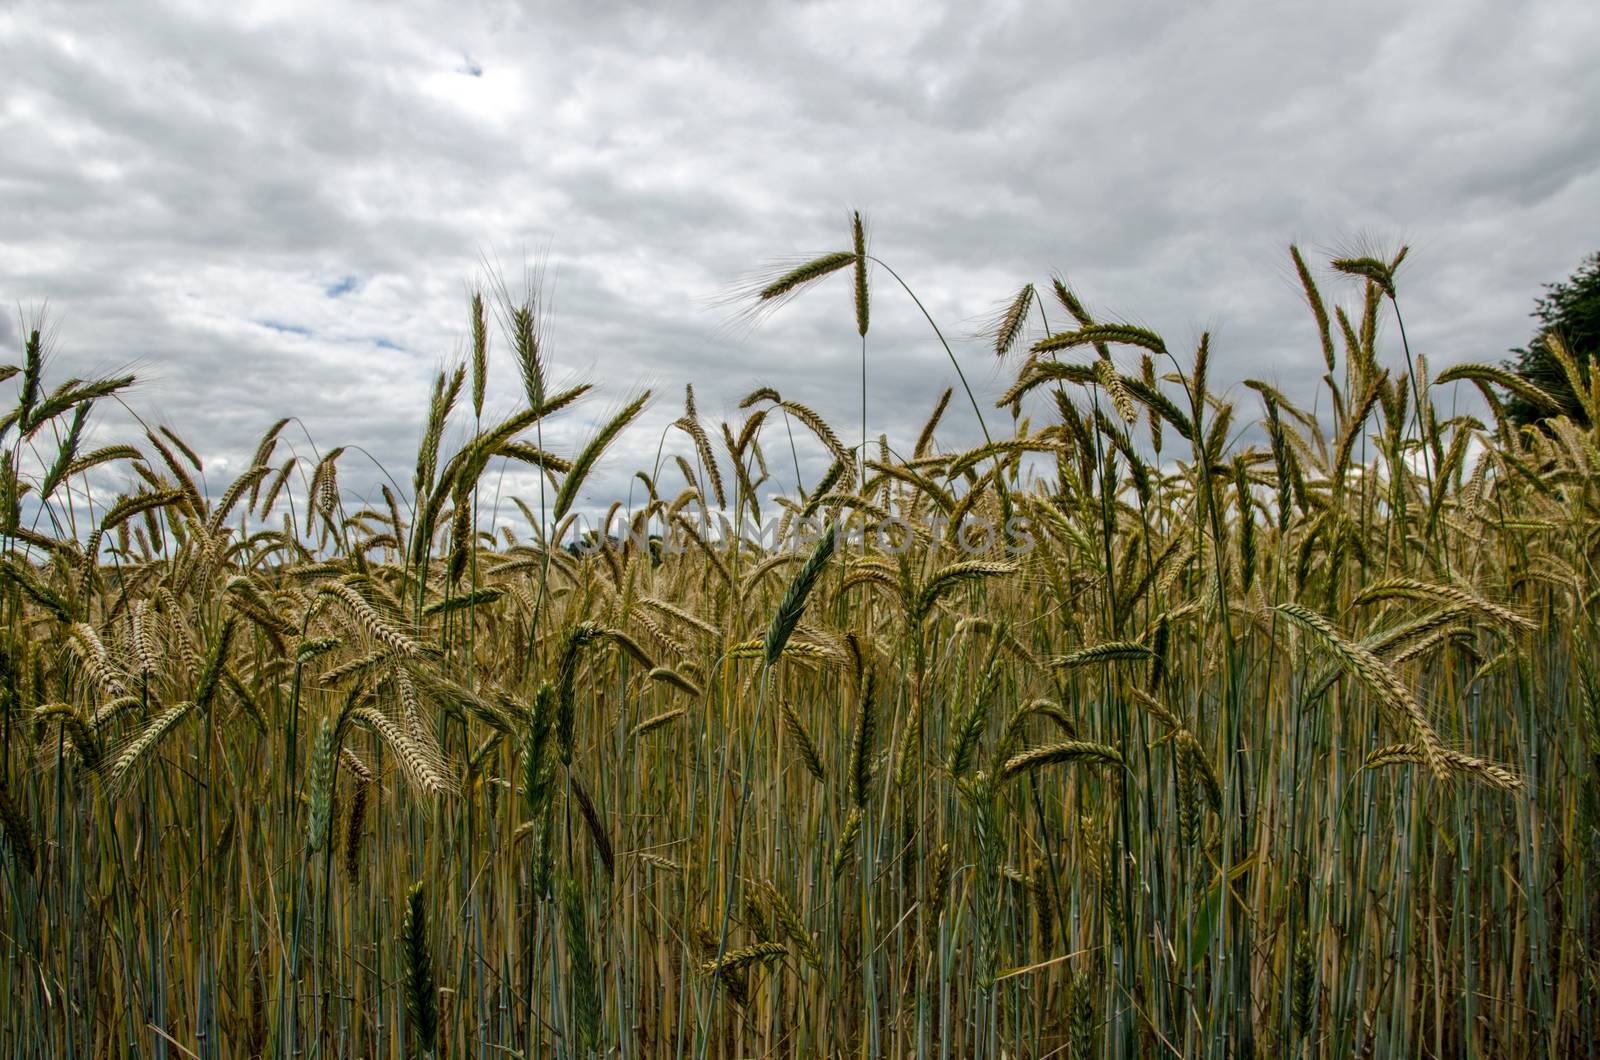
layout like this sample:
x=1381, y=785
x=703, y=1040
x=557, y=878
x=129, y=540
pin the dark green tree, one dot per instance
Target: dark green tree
x=1570, y=309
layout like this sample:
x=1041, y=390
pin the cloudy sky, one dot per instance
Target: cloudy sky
x=277, y=209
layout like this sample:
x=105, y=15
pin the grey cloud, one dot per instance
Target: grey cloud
x=191, y=173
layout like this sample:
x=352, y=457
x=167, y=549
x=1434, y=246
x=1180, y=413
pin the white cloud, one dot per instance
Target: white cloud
x=186, y=183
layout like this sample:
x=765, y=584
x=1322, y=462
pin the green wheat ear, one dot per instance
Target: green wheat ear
x=590, y=455
x=580, y=958
x=321, y=782
x=858, y=234
x=421, y=996
x=793, y=604
x=792, y=281
x=1370, y=269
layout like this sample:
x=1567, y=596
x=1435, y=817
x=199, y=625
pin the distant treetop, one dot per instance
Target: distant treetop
x=1571, y=310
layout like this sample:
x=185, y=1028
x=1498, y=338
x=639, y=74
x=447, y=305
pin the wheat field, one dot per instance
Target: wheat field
x=1281, y=737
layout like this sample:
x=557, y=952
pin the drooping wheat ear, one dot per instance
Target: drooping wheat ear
x=1483, y=375
x=796, y=731
x=22, y=573
x=1376, y=676
x=504, y=716
x=421, y=762
x=656, y=861
x=687, y=617
x=760, y=394
x=706, y=941
x=1157, y=710
x=1468, y=765
x=738, y=960
x=666, y=675
x=85, y=644
x=368, y=619
x=655, y=722
x=127, y=507
x=322, y=495
x=1109, y=651
x=18, y=832
x=486, y=594
x=919, y=482
x=580, y=964
x=1415, y=589
x=631, y=647
x=596, y=826
x=320, y=781
x=1151, y=397
x=183, y=447
x=951, y=576
x=590, y=454
x=814, y=423
x=792, y=927
x=122, y=766
x=1068, y=751
x=264, y=448
x=791, y=282
x=1035, y=708
x=79, y=732
x=1036, y=373
x=691, y=426
x=861, y=748
x=793, y=604
x=191, y=493
x=360, y=664
x=795, y=649
x=1094, y=334
x=416, y=956
x=1070, y=301
x=837, y=472
x=110, y=711
x=1370, y=269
